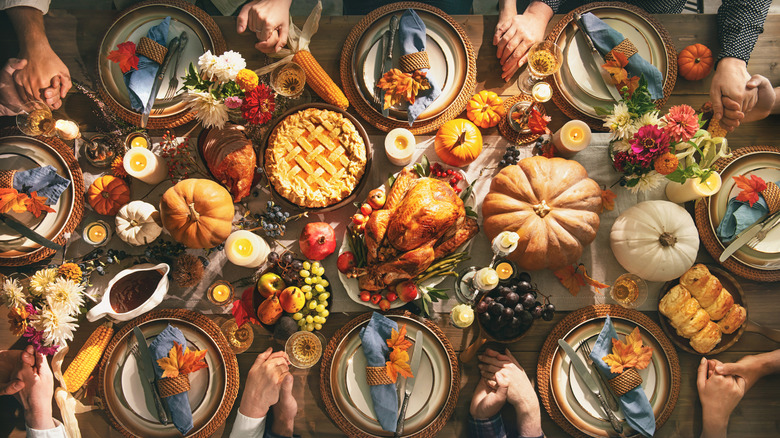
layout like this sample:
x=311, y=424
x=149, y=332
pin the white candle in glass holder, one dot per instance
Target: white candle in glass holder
x=573, y=137
x=399, y=146
x=245, y=248
x=145, y=165
x=693, y=188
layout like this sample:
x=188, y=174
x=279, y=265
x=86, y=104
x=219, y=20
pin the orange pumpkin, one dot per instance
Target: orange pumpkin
x=551, y=204
x=108, y=194
x=695, y=62
x=197, y=212
x=485, y=109
x=458, y=142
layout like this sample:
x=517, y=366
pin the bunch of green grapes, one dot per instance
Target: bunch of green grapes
x=315, y=312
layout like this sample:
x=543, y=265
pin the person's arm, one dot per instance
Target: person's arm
x=261, y=392
x=719, y=395
x=269, y=20
x=753, y=367
x=515, y=34
x=284, y=411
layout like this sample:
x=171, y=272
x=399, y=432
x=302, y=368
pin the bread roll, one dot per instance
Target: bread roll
x=673, y=300
x=721, y=306
x=703, y=286
x=707, y=338
x=733, y=320
x=684, y=313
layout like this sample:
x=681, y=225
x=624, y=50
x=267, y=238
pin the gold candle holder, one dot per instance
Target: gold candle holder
x=221, y=293
x=138, y=140
x=97, y=233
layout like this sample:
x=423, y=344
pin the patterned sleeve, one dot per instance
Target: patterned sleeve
x=739, y=24
x=553, y=4
x=492, y=427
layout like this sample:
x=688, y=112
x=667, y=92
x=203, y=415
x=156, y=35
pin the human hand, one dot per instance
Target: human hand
x=263, y=383
x=766, y=98
x=515, y=34
x=285, y=410
x=729, y=82
x=37, y=391
x=719, y=395
x=11, y=361
x=269, y=20
x=486, y=401
x=10, y=99
x=750, y=368
x=45, y=77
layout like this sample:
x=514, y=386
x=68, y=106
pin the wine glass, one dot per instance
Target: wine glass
x=35, y=119
x=288, y=80
x=629, y=291
x=544, y=59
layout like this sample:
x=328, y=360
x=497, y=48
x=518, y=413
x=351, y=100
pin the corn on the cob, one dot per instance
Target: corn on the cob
x=716, y=130
x=319, y=81
x=87, y=358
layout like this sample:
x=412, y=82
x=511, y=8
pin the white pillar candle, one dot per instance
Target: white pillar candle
x=143, y=164
x=573, y=137
x=693, y=188
x=399, y=146
x=245, y=248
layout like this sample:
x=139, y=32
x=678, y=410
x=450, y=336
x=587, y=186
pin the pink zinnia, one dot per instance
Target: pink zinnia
x=681, y=123
x=648, y=143
x=233, y=102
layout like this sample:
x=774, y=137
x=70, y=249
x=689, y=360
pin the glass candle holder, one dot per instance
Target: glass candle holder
x=465, y=291
x=97, y=233
x=138, y=140
x=221, y=293
x=99, y=150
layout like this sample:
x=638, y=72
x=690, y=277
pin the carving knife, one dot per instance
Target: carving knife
x=28, y=232
x=598, y=60
x=146, y=366
x=746, y=235
x=590, y=382
x=173, y=47
x=415, y=366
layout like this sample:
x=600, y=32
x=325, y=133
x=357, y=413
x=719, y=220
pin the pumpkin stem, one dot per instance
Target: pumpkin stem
x=541, y=209
x=461, y=139
x=105, y=194
x=133, y=223
x=667, y=239
x=194, y=215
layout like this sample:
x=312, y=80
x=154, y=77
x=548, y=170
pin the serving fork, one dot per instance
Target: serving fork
x=173, y=83
x=611, y=401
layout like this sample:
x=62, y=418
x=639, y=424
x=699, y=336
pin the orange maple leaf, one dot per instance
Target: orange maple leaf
x=11, y=199
x=398, y=339
x=629, y=354
x=537, y=123
x=751, y=188
x=574, y=277
x=398, y=364
x=608, y=200
x=125, y=56
x=181, y=362
x=37, y=204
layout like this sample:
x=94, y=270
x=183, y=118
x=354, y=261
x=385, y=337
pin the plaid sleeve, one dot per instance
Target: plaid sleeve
x=739, y=24
x=492, y=427
x=553, y=4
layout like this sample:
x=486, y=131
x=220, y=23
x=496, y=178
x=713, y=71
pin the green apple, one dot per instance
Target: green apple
x=270, y=284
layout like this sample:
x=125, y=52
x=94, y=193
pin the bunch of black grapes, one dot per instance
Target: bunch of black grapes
x=509, y=310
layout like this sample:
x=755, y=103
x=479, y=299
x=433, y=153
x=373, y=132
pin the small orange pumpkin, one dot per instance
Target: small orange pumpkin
x=485, y=109
x=108, y=194
x=458, y=142
x=695, y=62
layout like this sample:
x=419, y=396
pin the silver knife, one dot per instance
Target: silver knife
x=598, y=60
x=146, y=366
x=748, y=234
x=173, y=47
x=582, y=370
x=415, y=366
x=380, y=92
x=28, y=232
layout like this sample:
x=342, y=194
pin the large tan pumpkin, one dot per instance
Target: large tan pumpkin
x=551, y=204
x=197, y=213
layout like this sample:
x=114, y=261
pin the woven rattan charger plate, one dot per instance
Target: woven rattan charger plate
x=576, y=319
x=210, y=421
x=707, y=228
x=670, y=76
x=368, y=112
x=435, y=340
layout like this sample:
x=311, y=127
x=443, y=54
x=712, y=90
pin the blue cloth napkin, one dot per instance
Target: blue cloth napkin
x=636, y=408
x=374, y=337
x=179, y=404
x=411, y=34
x=740, y=215
x=139, y=82
x=43, y=180
x=606, y=38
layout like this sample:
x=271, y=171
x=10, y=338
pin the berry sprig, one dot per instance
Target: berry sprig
x=273, y=220
x=452, y=177
x=181, y=163
x=511, y=156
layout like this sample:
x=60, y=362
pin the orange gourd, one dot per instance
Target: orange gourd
x=485, y=109
x=458, y=142
x=695, y=62
x=108, y=194
x=198, y=213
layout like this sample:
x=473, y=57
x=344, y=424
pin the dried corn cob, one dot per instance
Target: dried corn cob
x=319, y=81
x=87, y=358
x=716, y=130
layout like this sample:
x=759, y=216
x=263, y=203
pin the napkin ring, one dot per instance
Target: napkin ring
x=169, y=386
x=414, y=61
x=772, y=197
x=625, y=47
x=377, y=376
x=625, y=382
x=7, y=179
x=152, y=50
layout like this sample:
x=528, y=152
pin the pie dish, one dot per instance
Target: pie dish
x=315, y=157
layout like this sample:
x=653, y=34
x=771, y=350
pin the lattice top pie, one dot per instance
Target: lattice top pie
x=315, y=157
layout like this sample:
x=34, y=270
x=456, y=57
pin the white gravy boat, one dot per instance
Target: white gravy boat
x=104, y=308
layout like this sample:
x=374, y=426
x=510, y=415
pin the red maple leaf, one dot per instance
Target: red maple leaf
x=125, y=56
x=37, y=204
x=537, y=122
x=751, y=188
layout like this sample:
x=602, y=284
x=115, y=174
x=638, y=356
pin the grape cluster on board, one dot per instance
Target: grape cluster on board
x=510, y=309
x=273, y=220
x=511, y=156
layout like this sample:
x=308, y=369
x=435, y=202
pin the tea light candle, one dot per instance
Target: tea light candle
x=486, y=279
x=244, y=248
x=399, y=146
x=67, y=129
x=462, y=315
x=137, y=140
x=143, y=164
x=541, y=92
x=693, y=188
x=97, y=233
x=505, y=243
x=573, y=137
x=220, y=292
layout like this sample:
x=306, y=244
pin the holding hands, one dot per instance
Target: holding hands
x=268, y=376
x=515, y=34
x=269, y=20
x=27, y=376
x=719, y=395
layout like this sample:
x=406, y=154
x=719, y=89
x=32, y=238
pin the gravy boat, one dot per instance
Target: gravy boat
x=104, y=308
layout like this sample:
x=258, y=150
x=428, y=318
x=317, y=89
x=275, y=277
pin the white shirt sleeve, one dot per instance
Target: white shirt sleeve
x=41, y=5
x=56, y=432
x=247, y=427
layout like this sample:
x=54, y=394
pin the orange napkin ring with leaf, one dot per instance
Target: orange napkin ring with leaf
x=176, y=369
x=625, y=360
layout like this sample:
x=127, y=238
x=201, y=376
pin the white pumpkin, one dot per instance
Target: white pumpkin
x=656, y=240
x=138, y=223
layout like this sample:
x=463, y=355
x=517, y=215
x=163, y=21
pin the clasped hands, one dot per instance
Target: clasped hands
x=27, y=376
x=269, y=385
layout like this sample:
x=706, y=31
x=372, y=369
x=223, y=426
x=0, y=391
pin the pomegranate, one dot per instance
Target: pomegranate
x=317, y=241
x=407, y=291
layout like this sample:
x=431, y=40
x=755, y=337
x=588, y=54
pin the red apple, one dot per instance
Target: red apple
x=407, y=291
x=376, y=297
x=384, y=305
x=391, y=296
x=346, y=262
x=270, y=284
x=377, y=198
x=318, y=240
x=365, y=295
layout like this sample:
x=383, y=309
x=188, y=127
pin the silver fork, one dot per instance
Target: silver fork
x=173, y=83
x=611, y=401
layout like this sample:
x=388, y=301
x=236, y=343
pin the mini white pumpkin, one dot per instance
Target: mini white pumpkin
x=138, y=223
x=656, y=240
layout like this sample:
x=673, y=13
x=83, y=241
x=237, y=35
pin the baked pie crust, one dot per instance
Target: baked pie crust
x=315, y=157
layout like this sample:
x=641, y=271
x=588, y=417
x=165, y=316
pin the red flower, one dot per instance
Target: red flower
x=259, y=105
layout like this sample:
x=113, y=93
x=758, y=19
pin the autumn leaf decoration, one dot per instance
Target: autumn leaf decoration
x=400, y=86
x=574, y=277
x=181, y=361
x=629, y=354
x=37, y=204
x=13, y=200
x=607, y=199
x=615, y=66
x=751, y=188
x=399, y=358
x=125, y=56
x=533, y=119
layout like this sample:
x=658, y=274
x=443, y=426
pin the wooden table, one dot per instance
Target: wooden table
x=75, y=36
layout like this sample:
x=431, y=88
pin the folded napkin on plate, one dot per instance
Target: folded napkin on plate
x=740, y=215
x=374, y=337
x=411, y=34
x=139, y=82
x=636, y=408
x=43, y=180
x=606, y=38
x=179, y=404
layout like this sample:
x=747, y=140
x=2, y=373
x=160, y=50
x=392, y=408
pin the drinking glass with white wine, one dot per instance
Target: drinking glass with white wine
x=544, y=59
x=35, y=119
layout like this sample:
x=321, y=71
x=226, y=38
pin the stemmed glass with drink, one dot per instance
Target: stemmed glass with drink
x=288, y=80
x=35, y=119
x=544, y=59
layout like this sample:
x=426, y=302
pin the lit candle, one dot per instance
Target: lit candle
x=137, y=140
x=486, y=279
x=573, y=137
x=220, y=292
x=693, y=188
x=143, y=164
x=244, y=248
x=505, y=243
x=96, y=233
x=399, y=146
x=462, y=315
x=541, y=92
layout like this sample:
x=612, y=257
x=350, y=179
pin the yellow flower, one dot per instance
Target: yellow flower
x=70, y=271
x=17, y=319
x=247, y=80
x=118, y=167
x=41, y=279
